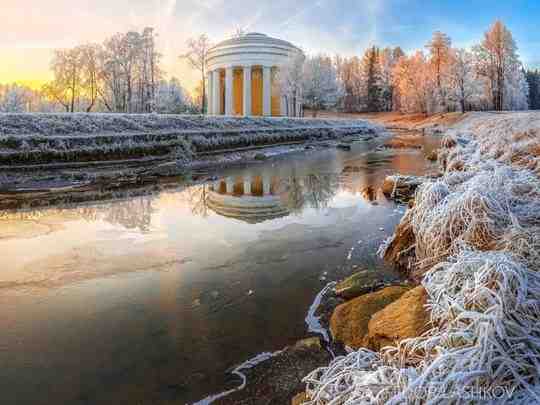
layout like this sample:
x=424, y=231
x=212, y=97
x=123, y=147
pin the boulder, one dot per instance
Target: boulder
x=401, y=249
x=401, y=188
x=349, y=322
x=260, y=156
x=432, y=155
x=404, y=318
x=358, y=284
x=299, y=399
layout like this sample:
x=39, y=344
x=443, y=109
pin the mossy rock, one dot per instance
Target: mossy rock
x=358, y=284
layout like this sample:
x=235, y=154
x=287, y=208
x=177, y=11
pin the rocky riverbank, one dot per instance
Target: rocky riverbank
x=472, y=239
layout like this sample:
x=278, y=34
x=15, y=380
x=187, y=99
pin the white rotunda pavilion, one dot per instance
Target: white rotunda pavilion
x=242, y=76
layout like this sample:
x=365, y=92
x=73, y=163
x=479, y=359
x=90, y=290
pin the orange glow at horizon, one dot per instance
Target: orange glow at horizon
x=31, y=67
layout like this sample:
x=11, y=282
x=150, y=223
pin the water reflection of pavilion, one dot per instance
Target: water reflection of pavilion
x=256, y=199
x=252, y=199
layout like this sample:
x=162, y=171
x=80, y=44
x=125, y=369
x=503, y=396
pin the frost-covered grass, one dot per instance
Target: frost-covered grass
x=477, y=249
x=39, y=138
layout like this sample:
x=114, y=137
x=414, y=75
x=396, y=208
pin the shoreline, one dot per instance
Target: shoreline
x=173, y=149
x=472, y=238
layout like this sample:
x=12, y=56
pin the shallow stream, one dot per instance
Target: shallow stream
x=153, y=299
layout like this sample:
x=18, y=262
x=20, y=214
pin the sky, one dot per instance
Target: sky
x=31, y=29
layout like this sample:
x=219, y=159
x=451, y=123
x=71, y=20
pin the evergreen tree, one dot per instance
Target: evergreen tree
x=372, y=77
x=533, y=79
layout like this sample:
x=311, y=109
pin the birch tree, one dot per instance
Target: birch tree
x=67, y=70
x=463, y=83
x=321, y=87
x=290, y=79
x=197, y=54
x=496, y=57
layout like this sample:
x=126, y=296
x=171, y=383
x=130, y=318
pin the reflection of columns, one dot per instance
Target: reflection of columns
x=215, y=185
x=247, y=91
x=230, y=185
x=282, y=106
x=247, y=185
x=267, y=90
x=229, y=91
x=266, y=185
x=216, y=105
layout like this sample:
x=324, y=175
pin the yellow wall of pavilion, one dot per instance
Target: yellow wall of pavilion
x=276, y=94
x=238, y=92
x=256, y=91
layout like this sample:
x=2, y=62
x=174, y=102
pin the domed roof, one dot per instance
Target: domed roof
x=254, y=38
x=254, y=49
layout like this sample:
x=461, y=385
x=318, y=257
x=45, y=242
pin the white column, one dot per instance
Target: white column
x=229, y=91
x=267, y=91
x=266, y=185
x=229, y=181
x=247, y=185
x=247, y=91
x=216, y=105
x=209, y=91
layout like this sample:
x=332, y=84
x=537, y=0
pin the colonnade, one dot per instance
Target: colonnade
x=244, y=90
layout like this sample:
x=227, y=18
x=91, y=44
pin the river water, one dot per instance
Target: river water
x=152, y=299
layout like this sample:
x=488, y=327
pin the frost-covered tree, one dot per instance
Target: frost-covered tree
x=90, y=73
x=349, y=71
x=387, y=60
x=196, y=55
x=440, y=51
x=321, y=87
x=18, y=98
x=172, y=98
x=66, y=86
x=464, y=86
x=496, y=61
x=516, y=91
x=415, y=84
x=130, y=66
x=14, y=99
x=290, y=79
x=119, y=76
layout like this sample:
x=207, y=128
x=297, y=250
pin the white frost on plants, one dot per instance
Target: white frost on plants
x=477, y=247
x=78, y=137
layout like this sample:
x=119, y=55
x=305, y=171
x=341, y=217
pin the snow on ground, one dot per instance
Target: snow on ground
x=477, y=247
x=53, y=138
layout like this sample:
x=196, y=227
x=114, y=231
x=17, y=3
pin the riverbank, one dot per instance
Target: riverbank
x=53, y=139
x=47, y=152
x=472, y=237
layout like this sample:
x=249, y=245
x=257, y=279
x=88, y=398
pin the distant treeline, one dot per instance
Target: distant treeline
x=122, y=75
